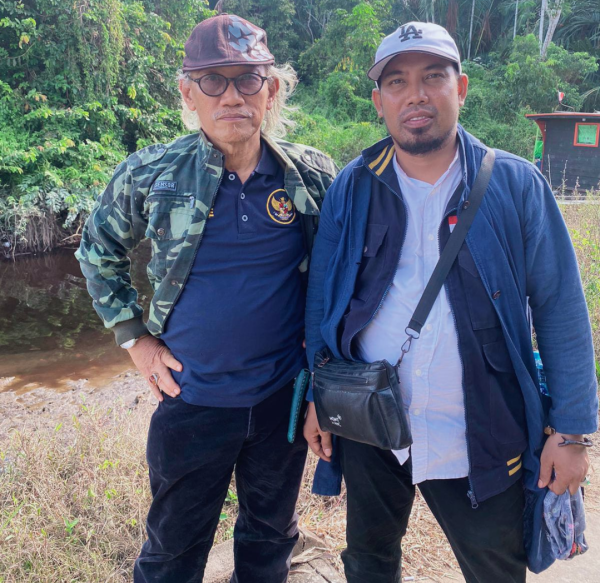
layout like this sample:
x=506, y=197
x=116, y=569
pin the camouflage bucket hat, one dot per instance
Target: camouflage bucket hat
x=226, y=39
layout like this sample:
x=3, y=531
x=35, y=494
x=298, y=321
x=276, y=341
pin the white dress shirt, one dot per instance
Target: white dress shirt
x=431, y=372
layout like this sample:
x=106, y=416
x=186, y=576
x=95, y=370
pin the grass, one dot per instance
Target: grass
x=73, y=499
x=583, y=221
x=73, y=503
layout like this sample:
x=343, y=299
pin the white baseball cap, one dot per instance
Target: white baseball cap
x=415, y=37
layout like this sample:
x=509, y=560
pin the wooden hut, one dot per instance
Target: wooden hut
x=571, y=151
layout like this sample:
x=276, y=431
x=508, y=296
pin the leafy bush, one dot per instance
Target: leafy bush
x=342, y=141
x=488, y=115
x=531, y=81
x=82, y=86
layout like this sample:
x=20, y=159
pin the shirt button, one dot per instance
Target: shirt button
x=242, y=196
x=428, y=326
x=160, y=232
x=174, y=282
x=430, y=237
x=418, y=372
x=417, y=412
x=232, y=177
x=244, y=218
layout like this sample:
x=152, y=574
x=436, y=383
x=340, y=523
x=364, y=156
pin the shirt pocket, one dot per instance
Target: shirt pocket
x=169, y=217
x=372, y=262
x=481, y=310
x=169, y=220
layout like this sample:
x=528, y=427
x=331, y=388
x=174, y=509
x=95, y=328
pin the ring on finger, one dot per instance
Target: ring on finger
x=154, y=378
x=586, y=481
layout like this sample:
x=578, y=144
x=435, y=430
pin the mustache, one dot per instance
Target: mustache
x=228, y=112
x=430, y=109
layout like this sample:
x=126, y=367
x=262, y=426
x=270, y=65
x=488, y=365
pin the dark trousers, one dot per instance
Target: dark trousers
x=487, y=541
x=192, y=453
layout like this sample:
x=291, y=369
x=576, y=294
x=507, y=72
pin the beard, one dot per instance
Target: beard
x=420, y=143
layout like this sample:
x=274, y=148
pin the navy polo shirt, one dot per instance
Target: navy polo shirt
x=238, y=325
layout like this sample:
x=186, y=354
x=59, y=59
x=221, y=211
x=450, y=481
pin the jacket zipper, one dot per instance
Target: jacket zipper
x=389, y=285
x=471, y=491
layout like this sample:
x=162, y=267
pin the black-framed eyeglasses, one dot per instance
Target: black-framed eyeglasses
x=214, y=84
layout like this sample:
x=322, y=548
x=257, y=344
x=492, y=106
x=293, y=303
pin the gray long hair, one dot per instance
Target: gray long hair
x=277, y=121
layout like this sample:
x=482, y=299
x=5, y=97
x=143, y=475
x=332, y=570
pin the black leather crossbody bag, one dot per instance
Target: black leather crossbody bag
x=362, y=401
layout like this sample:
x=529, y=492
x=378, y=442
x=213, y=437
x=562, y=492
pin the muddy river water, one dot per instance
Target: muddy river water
x=50, y=335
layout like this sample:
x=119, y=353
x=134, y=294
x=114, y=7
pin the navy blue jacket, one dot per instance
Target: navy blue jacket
x=521, y=251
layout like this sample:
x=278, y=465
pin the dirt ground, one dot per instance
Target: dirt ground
x=426, y=552
x=45, y=407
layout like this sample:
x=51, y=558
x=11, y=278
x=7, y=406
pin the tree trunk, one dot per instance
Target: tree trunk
x=471, y=30
x=516, y=17
x=543, y=9
x=554, y=17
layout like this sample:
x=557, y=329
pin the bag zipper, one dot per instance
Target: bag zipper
x=343, y=380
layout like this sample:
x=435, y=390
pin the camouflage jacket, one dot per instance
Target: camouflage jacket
x=164, y=193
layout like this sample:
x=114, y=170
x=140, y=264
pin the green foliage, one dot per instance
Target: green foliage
x=342, y=141
x=531, y=81
x=337, y=98
x=488, y=114
x=349, y=42
x=84, y=84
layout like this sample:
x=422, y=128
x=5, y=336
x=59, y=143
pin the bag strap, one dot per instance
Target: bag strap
x=450, y=252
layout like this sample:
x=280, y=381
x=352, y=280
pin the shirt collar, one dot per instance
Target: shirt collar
x=268, y=163
x=407, y=179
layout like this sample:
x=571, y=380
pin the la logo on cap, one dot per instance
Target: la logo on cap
x=408, y=32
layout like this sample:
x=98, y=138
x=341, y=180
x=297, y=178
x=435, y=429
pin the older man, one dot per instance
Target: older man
x=469, y=382
x=231, y=215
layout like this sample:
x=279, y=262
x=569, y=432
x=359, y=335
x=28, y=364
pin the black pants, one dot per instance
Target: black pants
x=192, y=452
x=487, y=541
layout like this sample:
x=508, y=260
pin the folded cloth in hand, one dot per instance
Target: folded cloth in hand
x=564, y=516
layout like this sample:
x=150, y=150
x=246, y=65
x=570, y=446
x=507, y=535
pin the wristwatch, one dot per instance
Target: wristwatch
x=129, y=344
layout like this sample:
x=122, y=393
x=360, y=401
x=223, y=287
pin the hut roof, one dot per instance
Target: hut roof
x=562, y=114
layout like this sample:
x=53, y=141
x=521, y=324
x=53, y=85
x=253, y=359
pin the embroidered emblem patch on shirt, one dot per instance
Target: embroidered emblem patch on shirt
x=452, y=220
x=280, y=208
